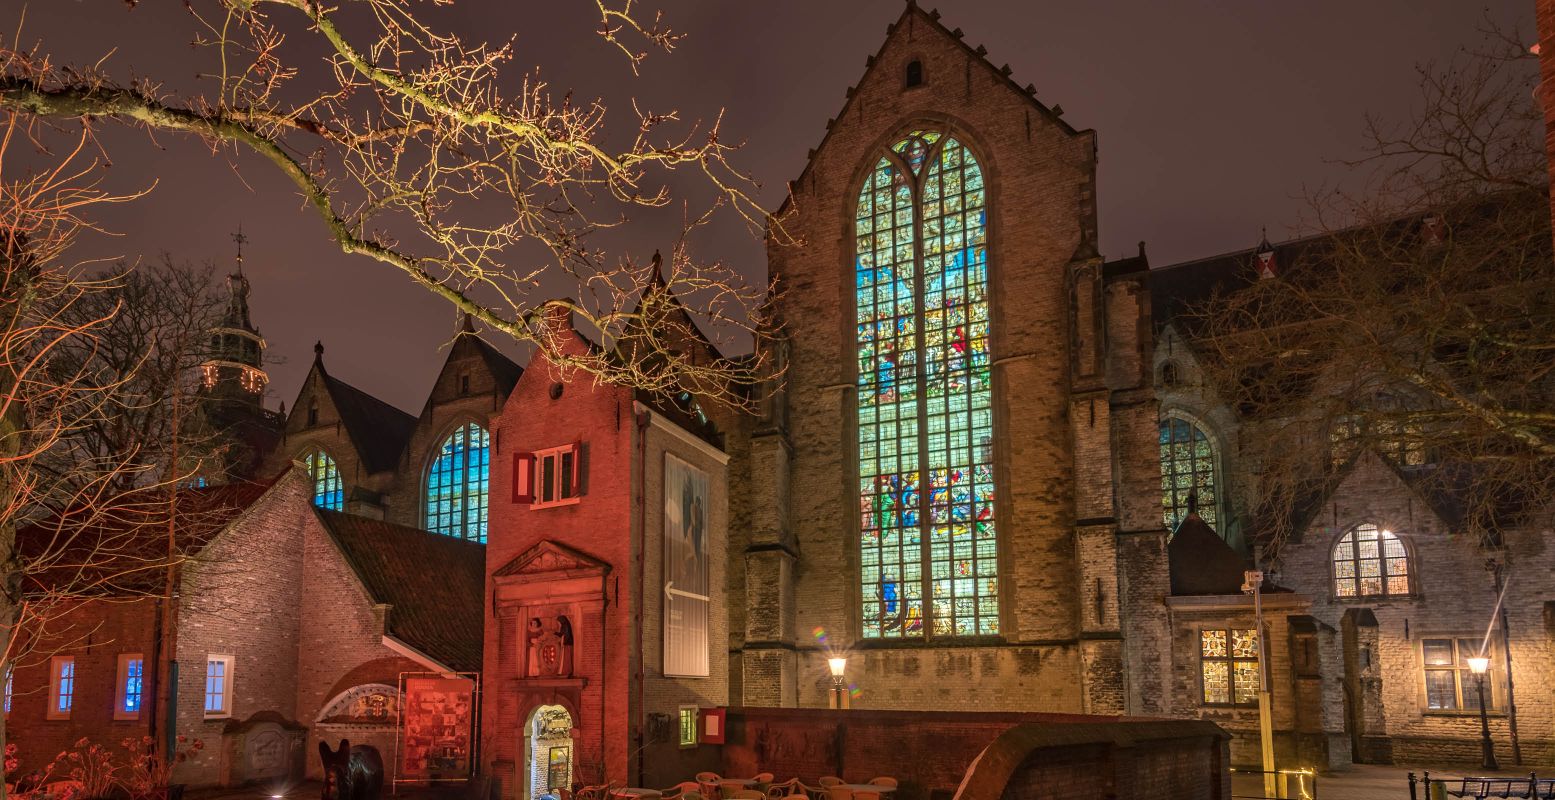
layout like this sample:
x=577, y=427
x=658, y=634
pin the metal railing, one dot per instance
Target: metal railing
x=1532, y=787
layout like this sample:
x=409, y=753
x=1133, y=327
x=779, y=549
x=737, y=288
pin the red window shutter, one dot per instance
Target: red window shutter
x=523, y=478
x=579, y=472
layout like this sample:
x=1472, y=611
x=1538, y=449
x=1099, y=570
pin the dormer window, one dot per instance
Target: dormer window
x=914, y=73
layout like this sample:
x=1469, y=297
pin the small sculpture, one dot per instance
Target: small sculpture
x=351, y=773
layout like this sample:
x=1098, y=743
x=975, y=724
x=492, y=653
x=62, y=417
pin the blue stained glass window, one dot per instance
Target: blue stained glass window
x=327, y=489
x=458, y=483
x=929, y=544
x=132, y=684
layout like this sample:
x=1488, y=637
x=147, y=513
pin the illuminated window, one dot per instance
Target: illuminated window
x=1187, y=463
x=925, y=418
x=1403, y=443
x=457, y=484
x=62, y=686
x=688, y=726
x=1449, y=683
x=130, y=683
x=1370, y=562
x=550, y=477
x=9, y=687
x=327, y=490
x=218, y=686
x=1228, y=662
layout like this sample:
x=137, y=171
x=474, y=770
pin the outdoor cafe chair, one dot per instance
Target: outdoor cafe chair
x=681, y=790
x=828, y=781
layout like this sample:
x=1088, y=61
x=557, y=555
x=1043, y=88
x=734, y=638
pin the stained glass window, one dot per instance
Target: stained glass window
x=1370, y=562
x=1187, y=463
x=926, y=491
x=1228, y=659
x=327, y=490
x=457, y=484
x=133, y=683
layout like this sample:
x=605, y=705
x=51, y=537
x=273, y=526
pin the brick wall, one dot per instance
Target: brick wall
x=94, y=634
x=241, y=598
x=932, y=751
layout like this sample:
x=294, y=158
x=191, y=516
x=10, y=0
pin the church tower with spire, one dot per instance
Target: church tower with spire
x=234, y=367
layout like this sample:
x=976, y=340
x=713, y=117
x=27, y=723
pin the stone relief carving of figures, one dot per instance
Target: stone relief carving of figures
x=549, y=641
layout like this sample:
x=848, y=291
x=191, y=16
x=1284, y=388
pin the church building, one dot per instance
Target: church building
x=989, y=479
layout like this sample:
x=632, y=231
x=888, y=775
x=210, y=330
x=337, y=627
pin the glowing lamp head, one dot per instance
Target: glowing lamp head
x=1478, y=664
x=838, y=666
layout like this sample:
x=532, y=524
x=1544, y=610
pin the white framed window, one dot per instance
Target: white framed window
x=549, y=478
x=9, y=686
x=62, y=686
x=218, y=686
x=129, y=686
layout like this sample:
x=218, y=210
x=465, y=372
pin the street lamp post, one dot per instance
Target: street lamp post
x=1252, y=583
x=1479, y=665
x=839, y=694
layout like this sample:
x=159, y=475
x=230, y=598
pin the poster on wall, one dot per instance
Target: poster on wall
x=436, y=727
x=686, y=568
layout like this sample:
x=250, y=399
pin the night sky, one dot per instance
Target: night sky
x=1214, y=119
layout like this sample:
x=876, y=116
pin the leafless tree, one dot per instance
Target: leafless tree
x=84, y=518
x=414, y=150
x=1418, y=319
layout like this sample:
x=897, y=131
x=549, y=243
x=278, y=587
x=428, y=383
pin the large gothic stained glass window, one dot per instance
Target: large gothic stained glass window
x=457, y=484
x=929, y=546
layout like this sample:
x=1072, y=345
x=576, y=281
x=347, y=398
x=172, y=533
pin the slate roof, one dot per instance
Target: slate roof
x=378, y=430
x=1201, y=562
x=1176, y=289
x=433, y=584
x=116, y=540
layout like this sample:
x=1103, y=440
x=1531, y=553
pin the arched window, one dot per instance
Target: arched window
x=1187, y=463
x=925, y=419
x=1370, y=562
x=327, y=490
x=457, y=484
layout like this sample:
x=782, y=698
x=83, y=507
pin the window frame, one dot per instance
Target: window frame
x=1463, y=680
x=470, y=529
x=564, y=478
x=917, y=571
x=310, y=454
x=1229, y=660
x=227, y=678
x=1217, y=507
x=696, y=726
x=121, y=686
x=1382, y=557
x=57, y=679
x=10, y=687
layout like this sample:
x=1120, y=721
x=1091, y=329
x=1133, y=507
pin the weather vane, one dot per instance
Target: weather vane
x=241, y=240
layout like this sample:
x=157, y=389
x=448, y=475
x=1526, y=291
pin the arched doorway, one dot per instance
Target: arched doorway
x=547, y=752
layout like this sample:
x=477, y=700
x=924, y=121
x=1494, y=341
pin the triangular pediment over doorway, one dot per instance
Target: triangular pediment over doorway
x=548, y=559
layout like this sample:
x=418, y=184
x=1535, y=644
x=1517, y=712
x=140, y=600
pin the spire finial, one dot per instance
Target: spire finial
x=241, y=240
x=468, y=326
x=318, y=350
x=1193, y=502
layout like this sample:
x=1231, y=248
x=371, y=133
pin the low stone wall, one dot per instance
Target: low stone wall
x=930, y=752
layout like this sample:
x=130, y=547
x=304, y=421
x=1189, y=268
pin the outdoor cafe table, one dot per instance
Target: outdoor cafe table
x=865, y=787
x=636, y=792
x=743, y=783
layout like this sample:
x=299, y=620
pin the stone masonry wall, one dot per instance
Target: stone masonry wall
x=1037, y=173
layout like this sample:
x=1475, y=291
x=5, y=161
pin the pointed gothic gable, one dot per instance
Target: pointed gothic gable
x=482, y=367
x=552, y=559
x=376, y=430
x=915, y=32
